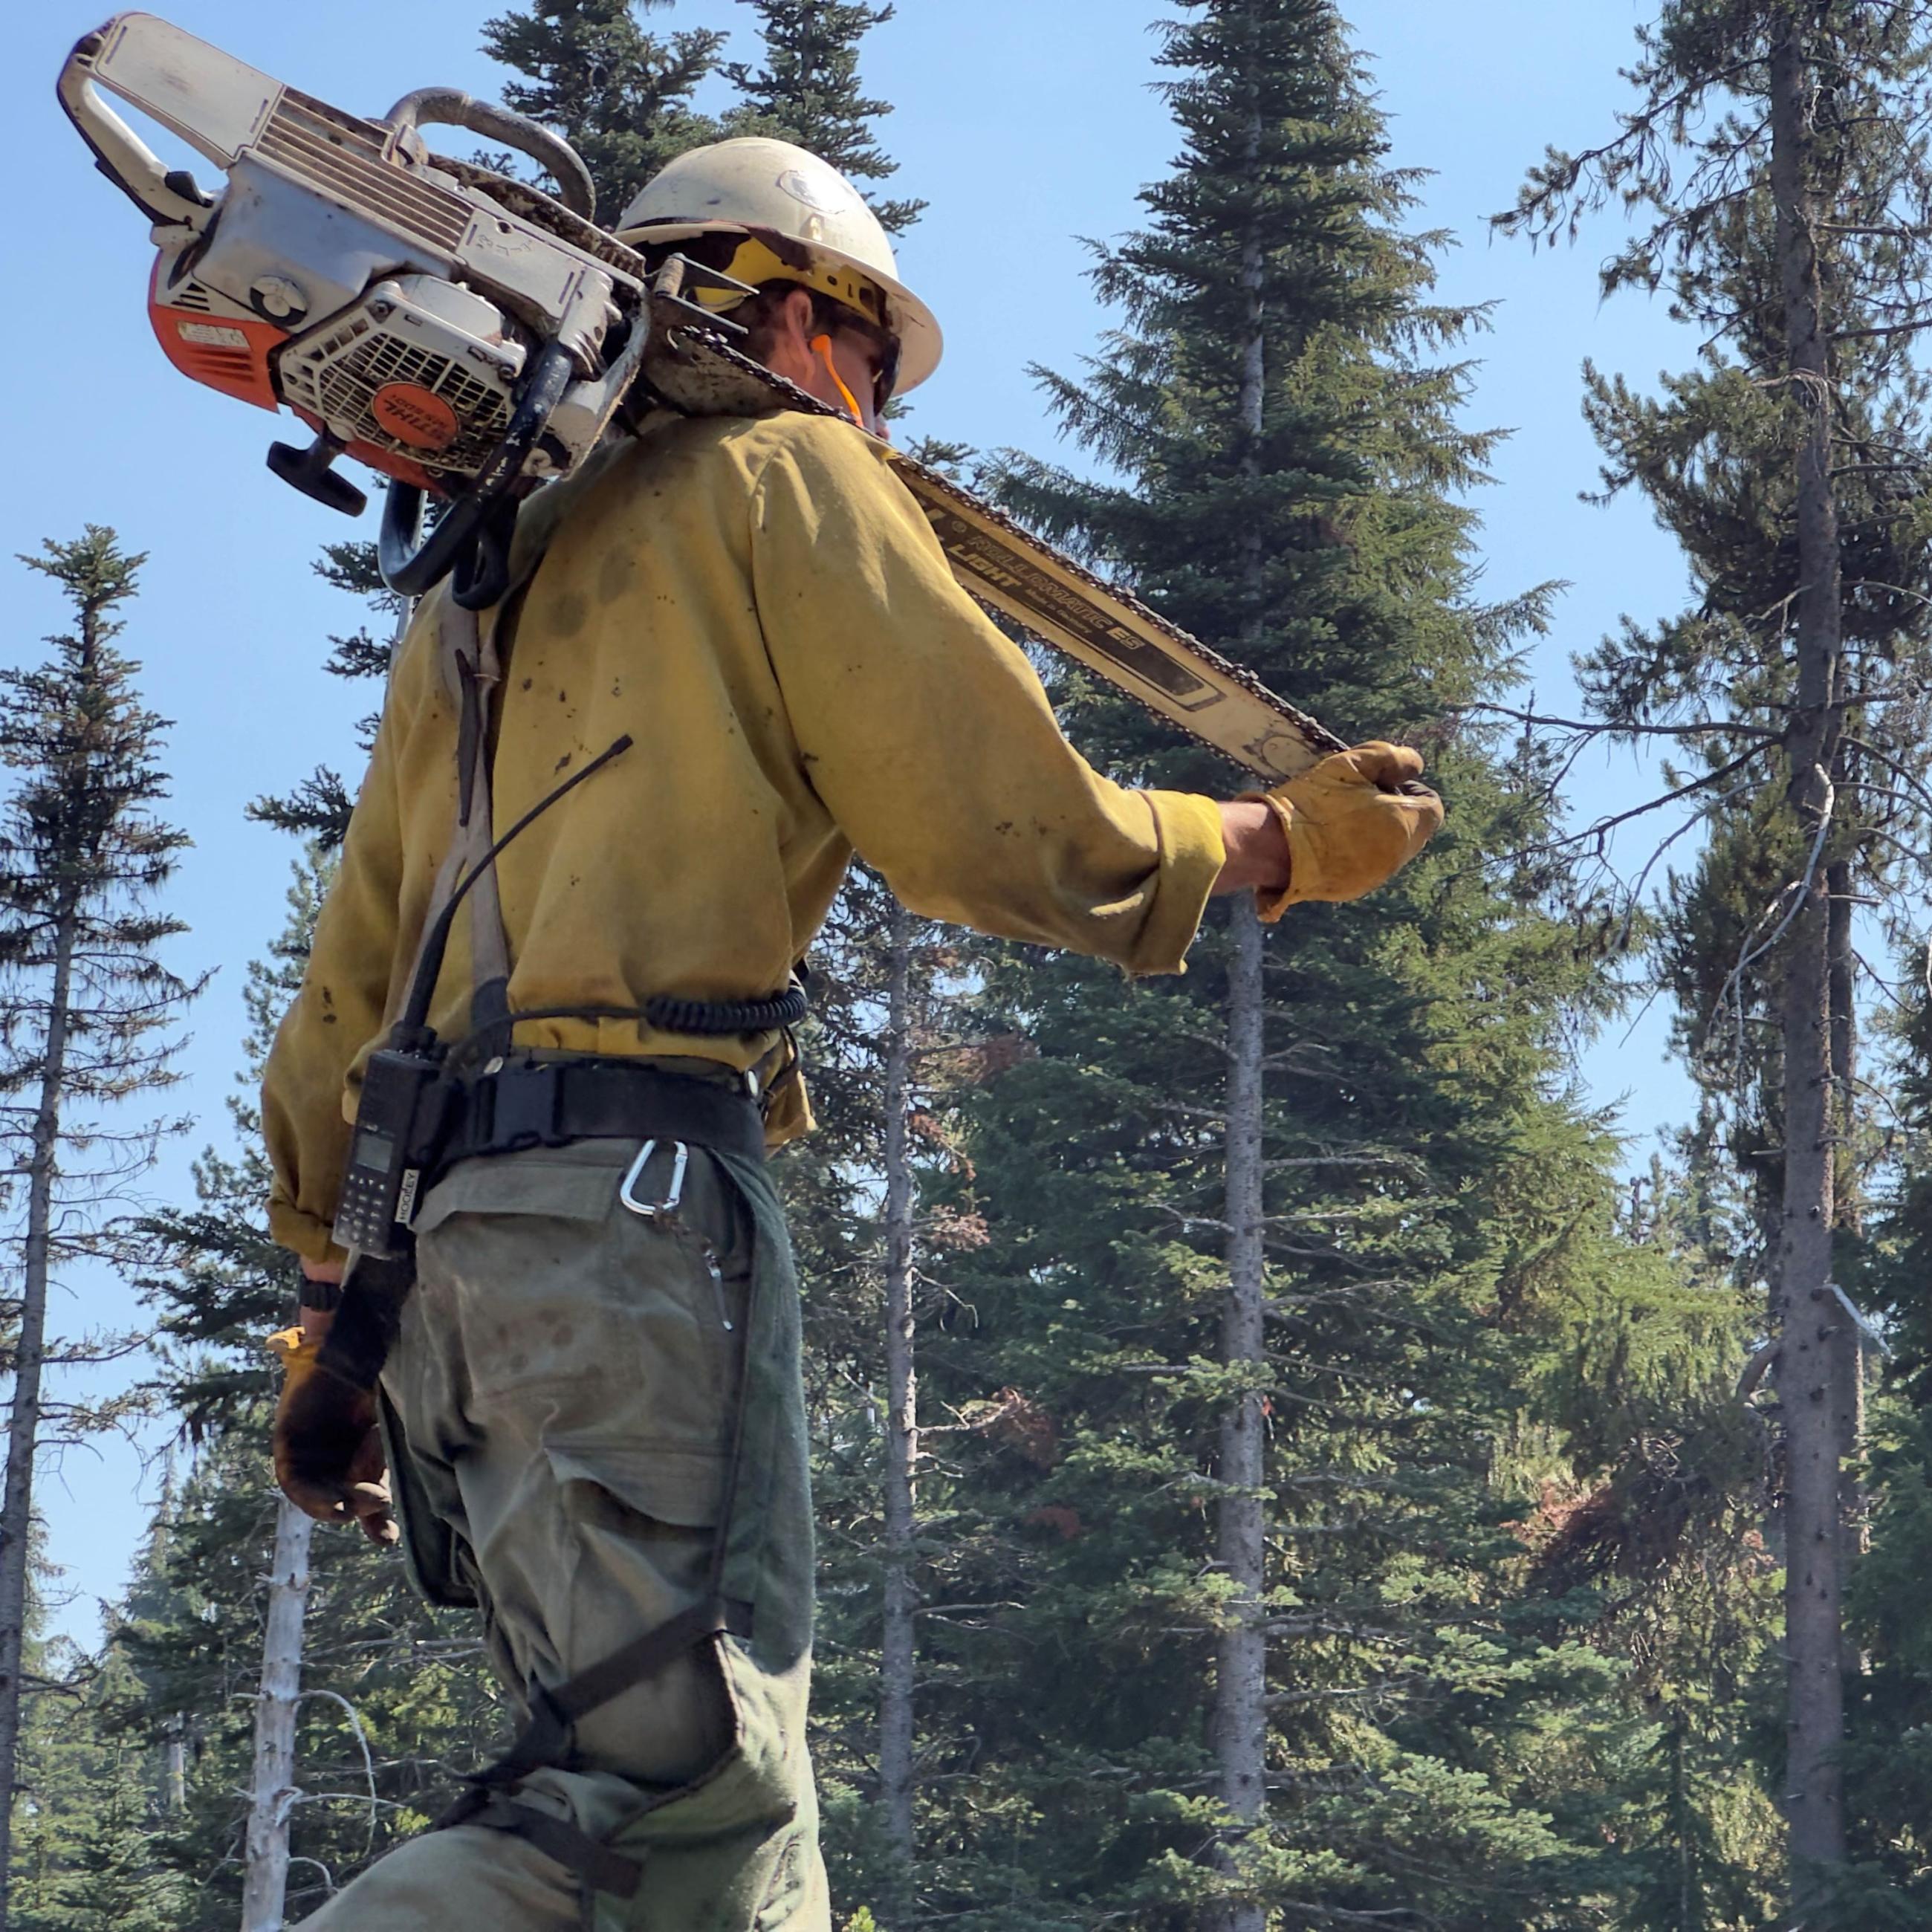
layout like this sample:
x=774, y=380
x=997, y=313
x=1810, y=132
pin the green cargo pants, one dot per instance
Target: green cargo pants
x=561, y=1403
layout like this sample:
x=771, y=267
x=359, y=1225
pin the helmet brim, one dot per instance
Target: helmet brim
x=921, y=344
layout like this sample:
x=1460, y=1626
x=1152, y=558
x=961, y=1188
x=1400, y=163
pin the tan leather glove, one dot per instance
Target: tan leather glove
x=1352, y=822
x=328, y=1450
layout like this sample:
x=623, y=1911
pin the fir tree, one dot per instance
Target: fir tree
x=1774, y=152
x=305, y=1771
x=1271, y=1244
x=319, y=808
x=878, y=1050
x=1888, y=1768
x=85, y=1006
x=620, y=97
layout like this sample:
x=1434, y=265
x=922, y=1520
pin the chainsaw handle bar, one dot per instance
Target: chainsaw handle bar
x=218, y=104
x=450, y=106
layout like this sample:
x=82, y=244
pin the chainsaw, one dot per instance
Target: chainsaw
x=470, y=338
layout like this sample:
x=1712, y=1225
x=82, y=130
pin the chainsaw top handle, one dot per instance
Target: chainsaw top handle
x=449, y=106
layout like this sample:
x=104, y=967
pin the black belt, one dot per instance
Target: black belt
x=549, y=1103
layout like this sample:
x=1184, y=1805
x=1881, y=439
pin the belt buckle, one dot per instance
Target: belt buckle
x=665, y=1209
x=524, y=1107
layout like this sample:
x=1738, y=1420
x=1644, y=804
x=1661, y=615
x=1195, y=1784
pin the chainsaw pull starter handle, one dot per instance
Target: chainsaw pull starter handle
x=450, y=106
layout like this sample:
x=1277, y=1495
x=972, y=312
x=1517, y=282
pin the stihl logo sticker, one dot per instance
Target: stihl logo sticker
x=415, y=416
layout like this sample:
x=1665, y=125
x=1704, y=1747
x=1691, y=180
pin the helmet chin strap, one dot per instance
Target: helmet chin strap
x=821, y=345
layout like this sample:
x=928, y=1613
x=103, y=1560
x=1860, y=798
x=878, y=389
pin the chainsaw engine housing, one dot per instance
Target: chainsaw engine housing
x=413, y=317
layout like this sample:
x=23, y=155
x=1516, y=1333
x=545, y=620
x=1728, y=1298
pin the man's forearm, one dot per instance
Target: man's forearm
x=1257, y=847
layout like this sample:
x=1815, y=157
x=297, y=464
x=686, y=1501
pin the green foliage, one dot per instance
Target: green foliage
x=81, y=850
x=396, y=1702
x=1518, y=1602
x=621, y=97
x=1717, y=453
x=1284, y=464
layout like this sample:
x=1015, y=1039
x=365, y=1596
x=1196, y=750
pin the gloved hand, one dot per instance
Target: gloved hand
x=1350, y=825
x=328, y=1450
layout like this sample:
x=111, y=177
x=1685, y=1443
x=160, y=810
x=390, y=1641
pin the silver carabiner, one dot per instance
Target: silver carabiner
x=656, y=1211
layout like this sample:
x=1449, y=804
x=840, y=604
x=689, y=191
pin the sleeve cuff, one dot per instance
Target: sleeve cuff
x=1188, y=828
x=290, y=1227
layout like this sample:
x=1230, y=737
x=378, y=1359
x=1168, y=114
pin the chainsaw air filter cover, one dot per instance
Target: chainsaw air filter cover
x=419, y=368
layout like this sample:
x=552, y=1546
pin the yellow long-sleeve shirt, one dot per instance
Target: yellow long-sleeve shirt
x=761, y=605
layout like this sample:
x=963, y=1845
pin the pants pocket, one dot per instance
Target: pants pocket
x=613, y=1339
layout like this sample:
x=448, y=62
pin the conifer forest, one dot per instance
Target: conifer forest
x=1279, y=1467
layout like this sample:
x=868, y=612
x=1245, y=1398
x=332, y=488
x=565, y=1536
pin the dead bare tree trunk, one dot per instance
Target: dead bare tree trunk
x=1240, y=1701
x=272, y=1790
x=1816, y=1334
x=23, y=1425
x=1848, y=1399
x=897, y=1706
x=174, y=1796
x=1240, y=1678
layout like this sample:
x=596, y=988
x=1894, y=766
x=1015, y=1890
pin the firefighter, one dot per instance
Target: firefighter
x=590, y=1407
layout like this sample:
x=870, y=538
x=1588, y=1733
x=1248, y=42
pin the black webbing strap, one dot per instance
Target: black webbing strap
x=595, y=1864
x=550, y=1103
x=545, y=1738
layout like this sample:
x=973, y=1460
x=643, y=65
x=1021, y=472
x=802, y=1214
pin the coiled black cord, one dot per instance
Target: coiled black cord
x=709, y=1018
x=703, y=1019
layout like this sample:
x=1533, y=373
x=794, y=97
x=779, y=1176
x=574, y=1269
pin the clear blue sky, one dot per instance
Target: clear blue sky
x=1026, y=127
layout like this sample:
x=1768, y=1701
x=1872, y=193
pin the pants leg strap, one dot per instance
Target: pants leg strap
x=597, y=1867
x=545, y=1737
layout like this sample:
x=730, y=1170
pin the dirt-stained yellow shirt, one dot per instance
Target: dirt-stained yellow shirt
x=759, y=604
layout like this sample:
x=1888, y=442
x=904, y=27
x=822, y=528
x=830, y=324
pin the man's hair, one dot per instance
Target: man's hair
x=758, y=314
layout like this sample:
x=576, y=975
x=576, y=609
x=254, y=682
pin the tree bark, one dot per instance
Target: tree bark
x=1240, y=1676
x=1816, y=1335
x=897, y=1707
x=1240, y=1701
x=23, y=1426
x=174, y=1796
x=272, y=1791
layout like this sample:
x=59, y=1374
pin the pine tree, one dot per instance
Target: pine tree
x=317, y=1752
x=1888, y=1772
x=1271, y=1245
x=84, y=1005
x=319, y=808
x=619, y=96
x=852, y=1192
x=1774, y=151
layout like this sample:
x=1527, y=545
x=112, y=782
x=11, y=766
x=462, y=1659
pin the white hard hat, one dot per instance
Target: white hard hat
x=779, y=196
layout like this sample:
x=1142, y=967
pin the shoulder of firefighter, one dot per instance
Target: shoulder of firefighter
x=761, y=606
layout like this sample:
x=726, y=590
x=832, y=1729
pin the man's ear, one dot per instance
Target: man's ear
x=795, y=314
